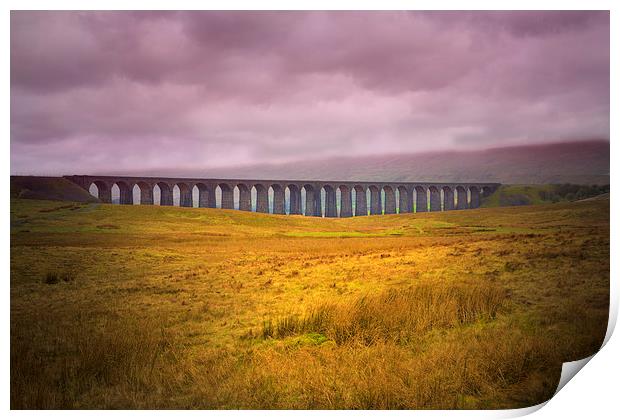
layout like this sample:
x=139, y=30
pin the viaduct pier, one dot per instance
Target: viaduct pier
x=320, y=198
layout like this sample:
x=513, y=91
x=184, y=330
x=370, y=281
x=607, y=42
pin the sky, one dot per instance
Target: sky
x=97, y=92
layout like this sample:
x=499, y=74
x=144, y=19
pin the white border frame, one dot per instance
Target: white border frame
x=593, y=393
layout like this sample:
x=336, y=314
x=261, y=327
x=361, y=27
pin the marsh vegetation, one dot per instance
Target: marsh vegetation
x=155, y=307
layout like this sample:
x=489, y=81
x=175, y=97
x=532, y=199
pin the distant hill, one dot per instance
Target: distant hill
x=585, y=162
x=48, y=188
x=522, y=195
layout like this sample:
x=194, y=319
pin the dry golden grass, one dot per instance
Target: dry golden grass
x=111, y=354
x=395, y=315
x=194, y=308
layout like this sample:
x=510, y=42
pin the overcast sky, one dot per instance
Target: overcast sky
x=99, y=91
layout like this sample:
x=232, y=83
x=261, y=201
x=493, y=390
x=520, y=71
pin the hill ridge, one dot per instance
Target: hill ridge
x=583, y=162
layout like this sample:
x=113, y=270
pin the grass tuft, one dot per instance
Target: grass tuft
x=395, y=315
x=51, y=278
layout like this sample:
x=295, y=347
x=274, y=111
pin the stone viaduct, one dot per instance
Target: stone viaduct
x=320, y=196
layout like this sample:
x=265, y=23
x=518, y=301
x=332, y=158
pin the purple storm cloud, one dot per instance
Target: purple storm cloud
x=124, y=91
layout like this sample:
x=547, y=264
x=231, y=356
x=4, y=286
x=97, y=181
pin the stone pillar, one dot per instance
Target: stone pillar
x=311, y=200
x=461, y=198
x=346, y=205
x=245, y=198
x=228, y=201
x=404, y=200
x=330, y=202
x=278, y=199
x=375, y=201
x=390, y=200
x=421, y=204
x=146, y=194
x=435, y=199
x=294, y=199
x=105, y=192
x=203, y=196
x=360, y=202
x=211, y=199
x=262, y=199
x=206, y=195
x=126, y=193
x=475, y=198
x=448, y=199
x=165, y=194
x=185, y=196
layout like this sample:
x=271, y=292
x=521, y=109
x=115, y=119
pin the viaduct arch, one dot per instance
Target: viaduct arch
x=320, y=197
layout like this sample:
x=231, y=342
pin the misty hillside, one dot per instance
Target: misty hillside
x=577, y=163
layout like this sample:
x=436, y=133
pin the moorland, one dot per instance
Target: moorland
x=165, y=307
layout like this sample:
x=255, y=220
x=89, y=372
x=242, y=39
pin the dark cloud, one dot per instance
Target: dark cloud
x=113, y=90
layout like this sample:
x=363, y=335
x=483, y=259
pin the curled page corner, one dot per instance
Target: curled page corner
x=521, y=412
x=569, y=370
x=613, y=318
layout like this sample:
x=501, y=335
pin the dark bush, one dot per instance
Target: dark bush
x=51, y=278
x=68, y=277
x=514, y=200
